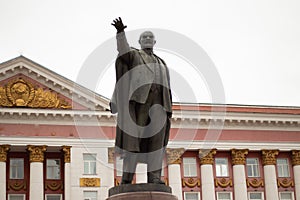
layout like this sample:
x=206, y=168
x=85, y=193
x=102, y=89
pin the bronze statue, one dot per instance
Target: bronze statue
x=142, y=98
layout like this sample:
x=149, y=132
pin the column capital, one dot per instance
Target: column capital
x=238, y=156
x=36, y=153
x=174, y=155
x=295, y=157
x=269, y=157
x=207, y=156
x=67, y=153
x=111, y=155
x=3, y=152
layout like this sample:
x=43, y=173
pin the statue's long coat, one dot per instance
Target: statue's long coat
x=136, y=59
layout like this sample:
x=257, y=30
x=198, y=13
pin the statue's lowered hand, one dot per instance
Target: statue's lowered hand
x=118, y=24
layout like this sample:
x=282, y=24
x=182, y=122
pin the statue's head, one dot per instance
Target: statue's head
x=147, y=40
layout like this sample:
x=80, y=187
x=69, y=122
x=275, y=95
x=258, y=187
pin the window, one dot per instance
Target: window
x=53, y=168
x=286, y=195
x=221, y=167
x=90, y=195
x=16, y=166
x=53, y=197
x=283, y=167
x=119, y=166
x=252, y=167
x=89, y=163
x=191, y=196
x=255, y=196
x=16, y=197
x=224, y=196
x=189, y=167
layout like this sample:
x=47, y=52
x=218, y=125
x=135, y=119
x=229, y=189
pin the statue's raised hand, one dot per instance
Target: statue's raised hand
x=118, y=24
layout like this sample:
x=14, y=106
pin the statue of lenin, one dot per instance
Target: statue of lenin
x=142, y=98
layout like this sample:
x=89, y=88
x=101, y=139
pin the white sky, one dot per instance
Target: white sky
x=255, y=45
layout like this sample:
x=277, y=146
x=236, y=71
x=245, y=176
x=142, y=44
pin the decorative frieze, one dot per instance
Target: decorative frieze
x=239, y=156
x=36, y=153
x=255, y=183
x=89, y=182
x=67, y=153
x=296, y=157
x=3, y=152
x=207, y=156
x=223, y=182
x=174, y=155
x=285, y=183
x=269, y=157
x=21, y=93
x=191, y=182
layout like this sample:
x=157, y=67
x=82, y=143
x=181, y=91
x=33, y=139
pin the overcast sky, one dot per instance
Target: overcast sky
x=254, y=45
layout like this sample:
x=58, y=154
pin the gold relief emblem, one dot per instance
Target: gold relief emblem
x=21, y=93
x=269, y=157
x=239, y=156
x=191, y=183
x=36, y=153
x=285, y=183
x=223, y=183
x=89, y=182
x=255, y=183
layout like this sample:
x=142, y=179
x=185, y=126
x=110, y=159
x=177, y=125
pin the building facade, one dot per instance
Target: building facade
x=57, y=143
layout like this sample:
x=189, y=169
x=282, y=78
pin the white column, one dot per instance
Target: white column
x=297, y=180
x=269, y=162
x=296, y=169
x=175, y=179
x=239, y=175
x=3, y=159
x=67, y=187
x=271, y=187
x=207, y=182
x=36, y=191
x=239, y=180
x=141, y=173
x=207, y=175
x=67, y=159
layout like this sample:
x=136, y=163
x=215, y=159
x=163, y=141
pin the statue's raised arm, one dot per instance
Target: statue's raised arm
x=118, y=24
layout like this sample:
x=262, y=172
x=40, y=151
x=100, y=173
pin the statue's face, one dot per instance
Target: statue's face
x=147, y=40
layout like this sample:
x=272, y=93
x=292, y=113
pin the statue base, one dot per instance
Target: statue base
x=145, y=191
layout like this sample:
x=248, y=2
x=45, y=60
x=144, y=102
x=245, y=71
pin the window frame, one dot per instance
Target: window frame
x=291, y=192
x=287, y=165
x=89, y=164
x=9, y=195
x=60, y=195
x=189, y=165
x=227, y=167
x=257, y=165
x=198, y=193
x=59, y=166
x=10, y=169
x=230, y=194
x=262, y=195
x=90, y=198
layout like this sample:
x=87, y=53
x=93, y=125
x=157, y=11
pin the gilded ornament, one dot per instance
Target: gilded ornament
x=207, y=156
x=255, y=183
x=21, y=93
x=54, y=186
x=111, y=155
x=174, y=155
x=285, y=183
x=67, y=153
x=269, y=157
x=36, y=153
x=3, y=152
x=223, y=183
x=89, y=182
x=296, y=157
x=239, y=156
x=17, y=186
x=191, y=182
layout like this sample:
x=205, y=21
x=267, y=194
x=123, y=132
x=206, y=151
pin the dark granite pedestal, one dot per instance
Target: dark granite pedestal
x=143, y=191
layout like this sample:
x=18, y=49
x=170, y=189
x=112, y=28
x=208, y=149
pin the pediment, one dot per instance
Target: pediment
x=26, y=84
